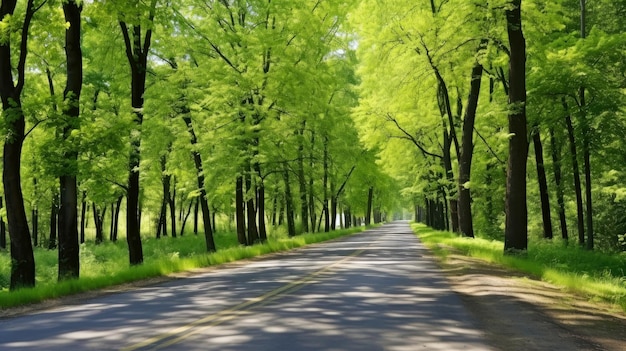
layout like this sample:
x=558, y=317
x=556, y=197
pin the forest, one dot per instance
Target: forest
x=128, y=120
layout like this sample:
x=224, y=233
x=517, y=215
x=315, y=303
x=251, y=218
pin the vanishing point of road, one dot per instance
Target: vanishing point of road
x=377, y=290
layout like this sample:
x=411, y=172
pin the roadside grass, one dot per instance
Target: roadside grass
x=106, y=265
x=595, y=275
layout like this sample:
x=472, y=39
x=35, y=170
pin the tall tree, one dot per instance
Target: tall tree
x=516, y=227
x=586, y=137
x=137, y=48
x=466, y=226
x=22, y=259
x=69, y=265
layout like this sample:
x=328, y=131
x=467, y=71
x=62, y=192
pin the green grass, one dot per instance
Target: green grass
x=107, y=265
x=597, y=276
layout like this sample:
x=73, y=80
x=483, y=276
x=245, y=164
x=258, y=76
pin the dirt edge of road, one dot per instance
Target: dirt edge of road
x=519, y=312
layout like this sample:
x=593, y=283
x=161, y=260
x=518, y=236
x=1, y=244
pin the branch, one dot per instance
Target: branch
x=216, y=49
x=127, y=42
x=21, y=66
x=489, y=147
x=344, y=182
x=148, y=38
x=411, y=138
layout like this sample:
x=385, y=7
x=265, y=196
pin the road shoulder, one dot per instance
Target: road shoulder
x=521, y=313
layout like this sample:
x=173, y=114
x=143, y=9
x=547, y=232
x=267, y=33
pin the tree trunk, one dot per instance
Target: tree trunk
x=453, y=204
x=576, y=173
x=196, y=207
x=274, y=210
x=304, y=206
x=165, y=182
x=312, y=214
x=253, y=231
x=171, y=200
x=54, y=214
x=543, y=185
x=83, y=217
x=291, y=226
x=370, y=199
x=466, y=226
x=261, y=213
x=115, y=219
x=137, y=54
x=325, y=187
x=186, y=216
x=516, y=227
x=586, y=137
x=22, y=259
x=204, y=205
x=240, y=212
x=98, y=218
x=35, y=223
x=69, y=262
x=333, y=213
x=3, y=229
x=556, y=165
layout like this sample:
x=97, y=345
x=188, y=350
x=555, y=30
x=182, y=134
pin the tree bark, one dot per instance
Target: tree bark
x=466, y=226
x=171, y=200
x=3, y=229
x=586, y=136
x=204, y=204
x=83, y=216
x=98, y=218
x=261, y=212
x=312, y=214
x=240, y=212
x=115, y=219
x=54, y=215
x=22, y=259
x=304, y=206
x=186, y=216
x=165, y=182
x=543, y=185
x=69, y=262
x=556, y=165
x=253, y=231
x=325, y=187
x=291, y=226
x=35, y=224
x=137, y=55
x=580, y=217
x=196, y=207
x=370, y=200
x=516, y=227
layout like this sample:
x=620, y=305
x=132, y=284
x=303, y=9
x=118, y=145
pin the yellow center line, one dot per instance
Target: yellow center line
x=180, y=333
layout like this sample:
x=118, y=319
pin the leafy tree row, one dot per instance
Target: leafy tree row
x=215, y=110
x=472, y=86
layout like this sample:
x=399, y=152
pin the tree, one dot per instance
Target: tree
x=466, y=226
x=516, y=230
x=137, y=48
x=23, y=262
x=69, y=266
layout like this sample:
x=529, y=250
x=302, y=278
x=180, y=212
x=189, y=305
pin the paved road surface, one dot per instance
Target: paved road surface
x=373, y=291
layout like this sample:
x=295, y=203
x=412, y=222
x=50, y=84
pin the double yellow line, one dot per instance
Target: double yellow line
x=177, y=335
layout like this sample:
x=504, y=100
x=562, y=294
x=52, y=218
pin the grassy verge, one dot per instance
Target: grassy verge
x=106, y=264
x=595, y=275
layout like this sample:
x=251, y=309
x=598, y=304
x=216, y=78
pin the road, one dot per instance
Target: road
x=377, y=290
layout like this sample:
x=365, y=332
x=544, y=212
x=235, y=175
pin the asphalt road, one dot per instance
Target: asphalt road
x=377, y=290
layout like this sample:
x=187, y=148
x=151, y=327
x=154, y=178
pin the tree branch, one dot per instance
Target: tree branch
x=411, y=138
